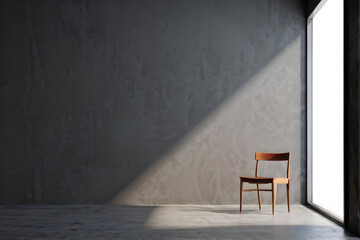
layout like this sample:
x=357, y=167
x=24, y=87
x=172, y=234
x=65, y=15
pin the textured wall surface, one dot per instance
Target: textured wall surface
x=149, y=102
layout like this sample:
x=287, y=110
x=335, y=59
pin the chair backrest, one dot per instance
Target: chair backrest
x=272, y=157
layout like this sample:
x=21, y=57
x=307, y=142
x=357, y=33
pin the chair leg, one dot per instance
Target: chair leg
x=241, y=194
x=288, y=196
x=274, y=185
x=259, y=199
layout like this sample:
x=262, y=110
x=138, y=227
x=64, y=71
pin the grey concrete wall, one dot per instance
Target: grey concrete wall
x=149, y=102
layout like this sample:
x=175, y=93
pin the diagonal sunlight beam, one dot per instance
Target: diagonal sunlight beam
x=263, y=115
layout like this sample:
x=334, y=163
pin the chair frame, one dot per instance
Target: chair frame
x=267, y=180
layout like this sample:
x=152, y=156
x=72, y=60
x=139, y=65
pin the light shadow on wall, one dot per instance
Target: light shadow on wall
x=204, y=165
x=150, y=102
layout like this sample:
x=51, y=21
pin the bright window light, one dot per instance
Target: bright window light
x=328, y=112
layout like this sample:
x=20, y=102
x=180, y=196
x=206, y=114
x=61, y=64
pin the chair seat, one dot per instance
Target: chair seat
x=264, y=180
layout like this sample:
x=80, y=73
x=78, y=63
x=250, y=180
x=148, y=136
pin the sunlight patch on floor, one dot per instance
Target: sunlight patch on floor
x=195, y=216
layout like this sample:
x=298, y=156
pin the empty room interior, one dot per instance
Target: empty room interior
x=180, y=119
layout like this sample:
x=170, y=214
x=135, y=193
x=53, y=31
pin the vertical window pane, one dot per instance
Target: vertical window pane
x=328, y=108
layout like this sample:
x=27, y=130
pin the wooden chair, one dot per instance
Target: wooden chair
x=267, y=180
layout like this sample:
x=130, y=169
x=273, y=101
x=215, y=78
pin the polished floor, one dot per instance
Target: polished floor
x=164, y=222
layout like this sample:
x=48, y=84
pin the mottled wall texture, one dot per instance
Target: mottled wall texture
x=149, y=102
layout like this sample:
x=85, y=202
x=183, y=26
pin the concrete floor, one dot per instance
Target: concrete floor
x=164, y=222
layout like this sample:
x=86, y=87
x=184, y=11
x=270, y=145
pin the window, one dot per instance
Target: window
x=325, y=108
